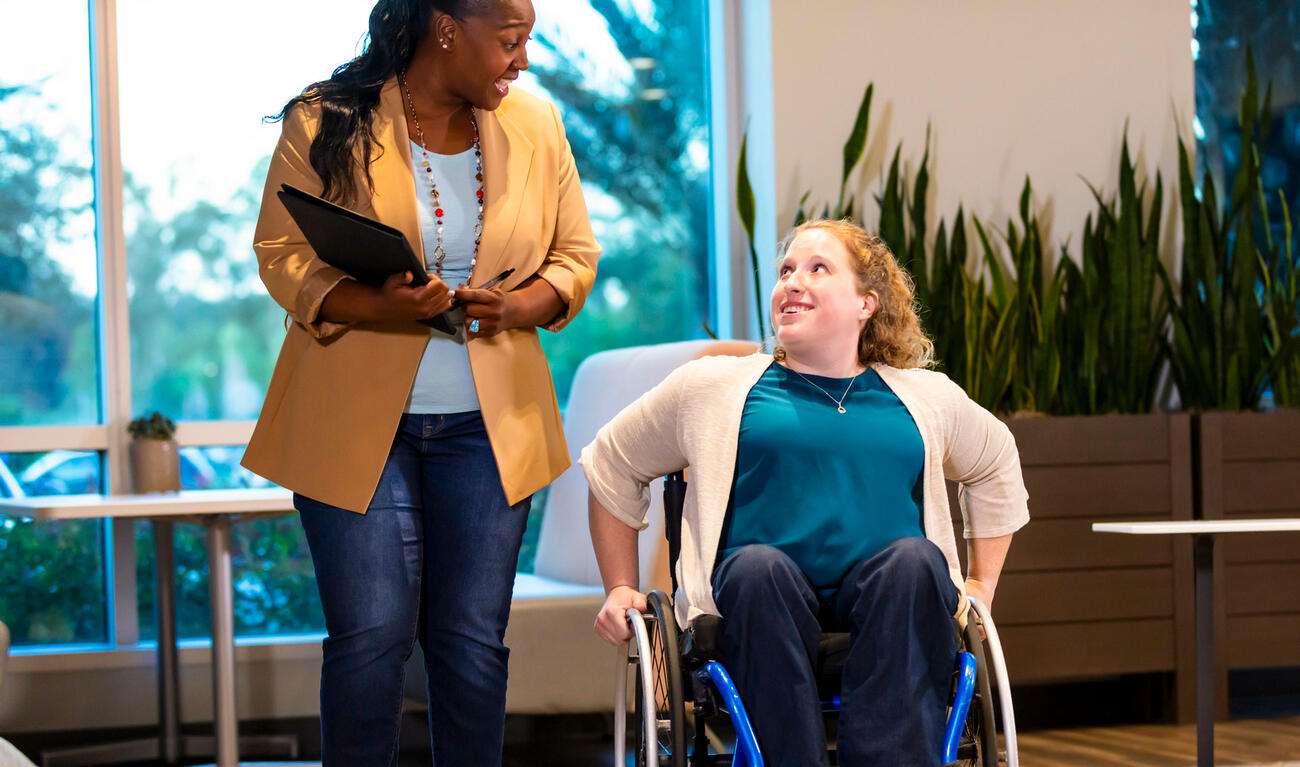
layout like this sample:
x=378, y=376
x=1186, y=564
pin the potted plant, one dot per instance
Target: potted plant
x=155, y=457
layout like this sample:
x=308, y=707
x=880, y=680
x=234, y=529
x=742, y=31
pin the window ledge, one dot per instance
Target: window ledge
x=193, y=652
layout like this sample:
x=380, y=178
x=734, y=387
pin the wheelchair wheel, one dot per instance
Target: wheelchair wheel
x=979, y=743
x=664, y=665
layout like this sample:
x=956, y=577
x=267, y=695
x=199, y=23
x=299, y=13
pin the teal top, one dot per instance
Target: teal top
x=829, y=489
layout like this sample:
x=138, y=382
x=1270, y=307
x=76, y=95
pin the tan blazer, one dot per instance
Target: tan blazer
x=338, y=389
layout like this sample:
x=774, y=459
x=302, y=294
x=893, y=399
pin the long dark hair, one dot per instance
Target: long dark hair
x=349, y=97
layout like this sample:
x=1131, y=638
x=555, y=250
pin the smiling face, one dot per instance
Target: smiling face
x=816, y=303
x=487, y=50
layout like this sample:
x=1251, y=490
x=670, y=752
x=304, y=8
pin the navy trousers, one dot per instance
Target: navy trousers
x=897, y=607
x=433, y=557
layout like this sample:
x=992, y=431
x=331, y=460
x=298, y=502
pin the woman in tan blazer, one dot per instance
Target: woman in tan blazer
x=413, y=454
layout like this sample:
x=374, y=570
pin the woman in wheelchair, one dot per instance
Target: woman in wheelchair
x=817, y=502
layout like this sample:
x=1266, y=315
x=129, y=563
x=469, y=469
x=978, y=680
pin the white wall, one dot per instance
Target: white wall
x=1010, y=87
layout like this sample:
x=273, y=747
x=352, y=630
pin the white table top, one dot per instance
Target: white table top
x=186, y=503
x=1196, y=526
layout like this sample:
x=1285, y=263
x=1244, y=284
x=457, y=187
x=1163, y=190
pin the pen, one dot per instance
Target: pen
x=492, y=283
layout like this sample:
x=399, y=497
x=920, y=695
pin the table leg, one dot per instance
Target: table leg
x=220, y=589
x=169, y=706
x=1203, y=548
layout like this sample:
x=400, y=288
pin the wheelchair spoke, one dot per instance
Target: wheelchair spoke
x=660, y=722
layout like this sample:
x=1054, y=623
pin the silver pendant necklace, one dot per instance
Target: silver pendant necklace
x=839, y=403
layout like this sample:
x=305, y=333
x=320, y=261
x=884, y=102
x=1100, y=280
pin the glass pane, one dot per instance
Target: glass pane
x=216, y=468
x=1223, y=31
x=52, y=588
x=275, y=586
x=48, y=274
x=204, y=333
x=58, y=472
x=631, y=80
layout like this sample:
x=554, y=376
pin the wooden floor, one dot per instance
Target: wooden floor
x=1243, y=742
x=1272, y=742
x=1239, y=742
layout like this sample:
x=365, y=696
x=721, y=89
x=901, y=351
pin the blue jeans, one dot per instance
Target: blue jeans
x=897, y=607
x=433, y=558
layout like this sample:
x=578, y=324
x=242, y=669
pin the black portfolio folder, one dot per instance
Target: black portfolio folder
x=367, y=250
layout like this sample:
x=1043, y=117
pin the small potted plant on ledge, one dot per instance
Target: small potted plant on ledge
x=155, y=460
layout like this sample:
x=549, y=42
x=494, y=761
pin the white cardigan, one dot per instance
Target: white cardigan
x=692, y=419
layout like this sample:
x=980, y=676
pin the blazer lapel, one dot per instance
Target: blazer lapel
x=507, y=162
x=390, y=169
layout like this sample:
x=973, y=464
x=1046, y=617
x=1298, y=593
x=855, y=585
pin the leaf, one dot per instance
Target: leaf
x=1001, y=292
x=800, y=214
x=745, y=202
x=856, y=143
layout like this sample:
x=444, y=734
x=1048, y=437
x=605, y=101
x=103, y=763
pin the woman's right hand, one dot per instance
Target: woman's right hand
x=396, y=299
x=611, y=621
x=404, y=301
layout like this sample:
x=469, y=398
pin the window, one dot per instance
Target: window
x=52, y=577
x=275, y=587
x=47, y=225
x=204, y=333
x=181, y=179
x=631, y=81
x=1226, y=36
x=1223, y=28
x=51, y=573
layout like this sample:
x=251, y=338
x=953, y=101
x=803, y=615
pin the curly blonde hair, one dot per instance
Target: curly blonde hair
x=893, y=334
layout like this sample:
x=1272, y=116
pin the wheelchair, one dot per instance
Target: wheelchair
x=671, y=668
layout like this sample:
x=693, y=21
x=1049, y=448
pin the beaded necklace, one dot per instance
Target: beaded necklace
x=439, y=253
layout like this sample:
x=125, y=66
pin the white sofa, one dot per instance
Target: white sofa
x=4, y=650
x=557, y=664
x=9, y=756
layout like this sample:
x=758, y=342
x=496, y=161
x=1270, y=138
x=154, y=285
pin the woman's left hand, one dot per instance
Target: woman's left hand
x=492, y=310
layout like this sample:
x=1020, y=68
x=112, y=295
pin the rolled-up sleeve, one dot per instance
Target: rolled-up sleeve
x=294, y=276
x=570, y=263
x=639, y=445
x=982, y=456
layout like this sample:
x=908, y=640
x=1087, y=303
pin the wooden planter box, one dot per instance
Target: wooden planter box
x=1249, y=467
x=1074, y=604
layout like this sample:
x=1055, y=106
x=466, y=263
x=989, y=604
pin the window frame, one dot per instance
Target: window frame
x=727, y=269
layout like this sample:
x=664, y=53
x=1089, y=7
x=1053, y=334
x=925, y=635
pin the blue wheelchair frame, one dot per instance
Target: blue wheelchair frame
x=749, y=755
x=747, y=752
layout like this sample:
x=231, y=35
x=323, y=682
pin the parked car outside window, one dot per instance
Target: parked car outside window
x=72, y=472
x=9, y=485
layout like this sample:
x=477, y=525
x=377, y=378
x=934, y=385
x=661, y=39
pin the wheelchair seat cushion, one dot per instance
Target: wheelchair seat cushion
x=702, y=641
x=832, y=654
